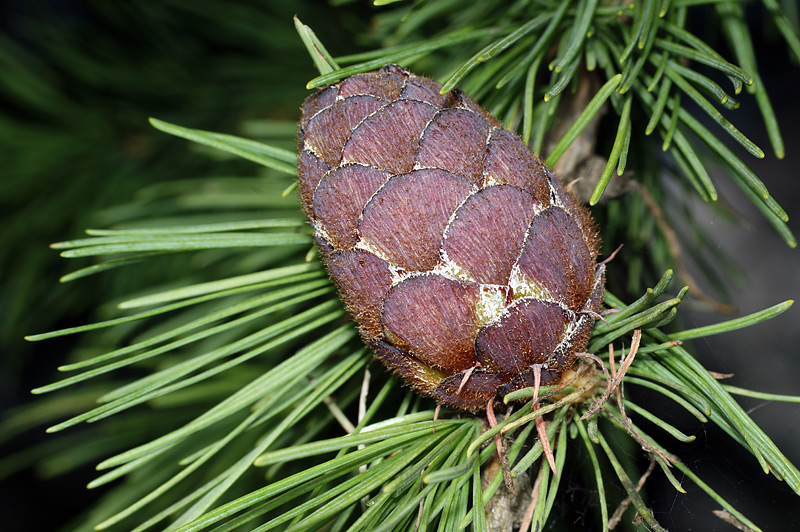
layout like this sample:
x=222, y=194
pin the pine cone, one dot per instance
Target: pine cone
x=460, y=256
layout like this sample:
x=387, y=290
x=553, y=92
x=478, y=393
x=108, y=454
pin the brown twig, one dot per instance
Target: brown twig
x=527, y=517
x=677, y=254
x=618, y=390
x=613, y=386
x=617, y=516
x=731, y=519
x=596, y=407
x=541, y=428
x=501, y=453
x=617, y=379
x=419, y=515
x=646, y=445
x=362, y=407
x=467, y=375
x=613, y=254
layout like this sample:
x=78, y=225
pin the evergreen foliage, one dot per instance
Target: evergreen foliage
x=230, y=392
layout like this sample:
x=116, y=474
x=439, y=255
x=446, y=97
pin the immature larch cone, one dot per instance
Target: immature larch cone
x=461, y=257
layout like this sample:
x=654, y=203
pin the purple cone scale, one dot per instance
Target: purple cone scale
x=461, y=257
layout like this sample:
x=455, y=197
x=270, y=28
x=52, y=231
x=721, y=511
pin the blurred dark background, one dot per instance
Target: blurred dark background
x=78, y=80
x=763, y=357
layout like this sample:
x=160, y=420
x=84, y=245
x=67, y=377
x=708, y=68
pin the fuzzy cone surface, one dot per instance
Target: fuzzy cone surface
x=461, y=257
